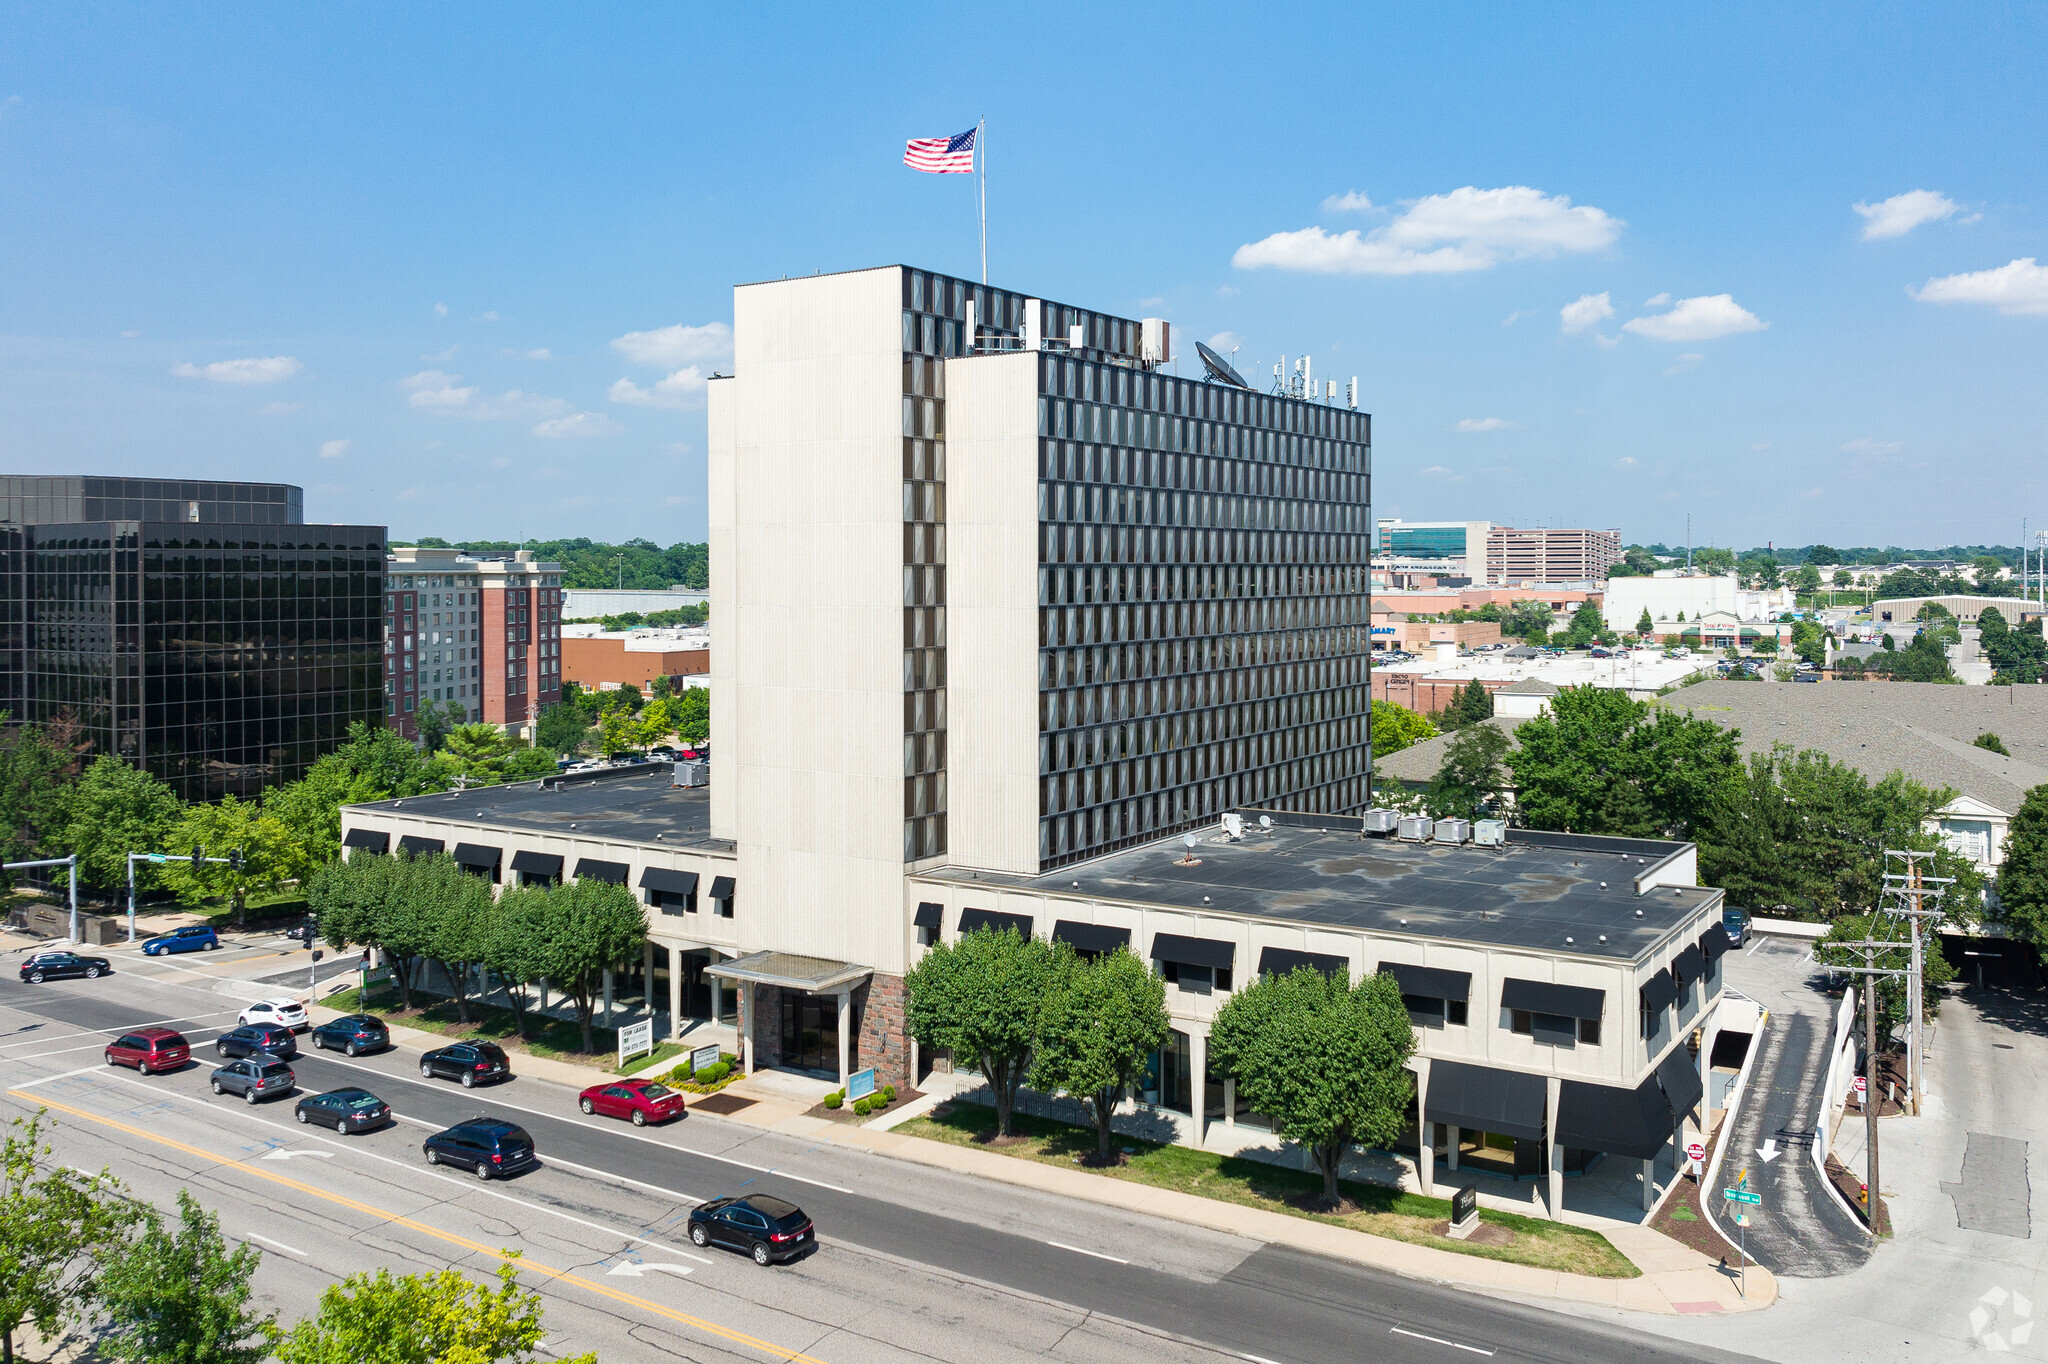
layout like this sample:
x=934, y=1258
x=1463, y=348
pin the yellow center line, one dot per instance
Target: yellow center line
x=475, y=1247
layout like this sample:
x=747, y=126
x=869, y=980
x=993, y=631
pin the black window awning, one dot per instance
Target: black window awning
x=1090, y=937
x=1185, y=951
x=1681, y=1081
x=929, y=915
x=971, y=919
x=1280, y=961
x=1690, y=964
x=1636, y=1123
x=1507, y=1102
x=721, y=887
x=1543, y=997
x=1429, y=981
x=1714, y=942
x=370, y=840
x=1659, y=992
x=414, y=845
x=591, y=869
x=477, y=855
x=537, y=864
x=669, y=881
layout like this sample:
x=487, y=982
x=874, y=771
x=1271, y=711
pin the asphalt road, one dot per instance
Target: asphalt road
x=915, y=1262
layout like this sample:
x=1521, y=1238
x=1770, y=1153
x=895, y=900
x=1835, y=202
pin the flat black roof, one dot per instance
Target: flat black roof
x=631, y=805
x=1535, y=892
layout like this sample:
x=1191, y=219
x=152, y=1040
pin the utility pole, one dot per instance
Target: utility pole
x=1870, y=1100
x=1907, y=892
x=71, y=880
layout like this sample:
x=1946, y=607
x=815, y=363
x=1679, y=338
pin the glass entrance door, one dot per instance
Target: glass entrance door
x=810, y=1033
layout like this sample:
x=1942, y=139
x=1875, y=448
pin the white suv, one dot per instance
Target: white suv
x=286, y=1013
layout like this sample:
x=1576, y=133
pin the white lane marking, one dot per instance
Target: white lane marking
x=633, y=1271
x=96, y=1046
x=282, y=1154
x=289, y=1250
x=1439, y=1340
x=474, y=1187
x=590, y=1170
x=1062, y=1245
x=64, y=1075
x=116, y=1032
x=1261, y=1359
x=622, y=1131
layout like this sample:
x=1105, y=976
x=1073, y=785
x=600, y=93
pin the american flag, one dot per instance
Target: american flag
x=941, y=155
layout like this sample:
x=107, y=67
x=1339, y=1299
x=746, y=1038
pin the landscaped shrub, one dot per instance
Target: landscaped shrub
x=888, y=1095
x=712, y=1074
x=835, y=1098
x=863, y=1107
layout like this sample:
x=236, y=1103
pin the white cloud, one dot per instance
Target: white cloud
x=1901, y=213
x=443, y=358
x=578, y=425
x=675, y=346
x=680, y=389
x=433, y=388
x=2017, y=289
x=1512, y=318
x=1760, y=446
x=267, y=370
x=1812, y=493
x=1706, y=318
x=440, y=310
x=1467, y=229
x=1692, y=359
x=1626, y=462
x=131, y=333
x=1225, y=342
x=1436, y=469
x=1472, y=426
x=538, y=353
x=1656, y=300
x=279, y=409
x=491, y=316
x=1588, y=310
x=1864, y=445
x=334, y=449
x=1351, y=201
x=444, y=394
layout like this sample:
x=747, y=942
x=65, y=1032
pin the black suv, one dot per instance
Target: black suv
x=258, y=1039
x=58, y=965
x=768, y=1229
x=487, y=1147
x=355, y=1033
x=469, y=1062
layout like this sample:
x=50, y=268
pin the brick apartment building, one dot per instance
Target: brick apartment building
x=596, y=662
x=483, y=633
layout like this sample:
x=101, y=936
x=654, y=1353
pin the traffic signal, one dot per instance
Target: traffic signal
x=235, y=858
x=198, y=858
x=317, y=955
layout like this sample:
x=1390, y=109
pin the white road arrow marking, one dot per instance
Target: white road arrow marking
x=281, y=1154
x=633, y=1271
x=1769, y=1150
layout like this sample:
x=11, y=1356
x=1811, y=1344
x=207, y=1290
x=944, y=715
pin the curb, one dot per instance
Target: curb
x=1736, y=1094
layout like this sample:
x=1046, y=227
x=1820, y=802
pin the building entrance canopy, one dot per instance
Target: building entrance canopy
x=812, y=975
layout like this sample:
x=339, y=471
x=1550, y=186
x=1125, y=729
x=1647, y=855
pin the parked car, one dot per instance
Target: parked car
x=639, y=1101
x=469, y=1062
x=286, y=1013
x=1736, y=921
x=257, y=1039
x=254, y=1078
x=767, y=1228
x=486, y=1147
x=153, y=1051
x=352, y=1035
x=344, y=1110
x=191, y=938
x=59, y=965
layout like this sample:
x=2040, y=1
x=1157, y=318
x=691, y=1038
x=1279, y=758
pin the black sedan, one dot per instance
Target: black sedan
x=258, y=1039
x=60, y=965
x=353, y=1034
x=486, y=1147
x=470, y=1062
x=344, y=1110
x=767, y=1228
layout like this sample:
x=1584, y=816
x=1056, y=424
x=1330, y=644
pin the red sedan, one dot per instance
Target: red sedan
x=643, y=1101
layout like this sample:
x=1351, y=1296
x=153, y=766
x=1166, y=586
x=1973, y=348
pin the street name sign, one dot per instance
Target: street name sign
x=1741, y=1196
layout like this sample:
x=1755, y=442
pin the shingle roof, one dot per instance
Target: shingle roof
x=1528, y=686
x=1419, y=762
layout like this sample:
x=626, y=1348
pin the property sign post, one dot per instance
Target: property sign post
x=860, y=1084
x=703, y=1057
x=1695, y=1152
x=1740, y=1194
x=635, y=1039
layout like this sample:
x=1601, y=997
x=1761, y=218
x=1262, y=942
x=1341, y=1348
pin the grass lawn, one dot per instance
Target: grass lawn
x=546, y=1036
x=1232, y=1179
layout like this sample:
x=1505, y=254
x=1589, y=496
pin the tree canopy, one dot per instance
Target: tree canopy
x=1472, y=704
x=985, y=999
x=1396, y=727
x=57, y=1225
x=1108, y=1016
x=181, y=1295
x=1600, y=762
x=434, y=1318
x=1472, y=776
x=2023, y=875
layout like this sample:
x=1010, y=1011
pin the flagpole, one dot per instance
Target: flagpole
x=981, y=160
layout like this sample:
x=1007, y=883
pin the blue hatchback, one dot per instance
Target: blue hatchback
x=196, y=938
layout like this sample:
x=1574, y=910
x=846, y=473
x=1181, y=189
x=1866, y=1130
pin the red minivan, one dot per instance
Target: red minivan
x=150, y=1050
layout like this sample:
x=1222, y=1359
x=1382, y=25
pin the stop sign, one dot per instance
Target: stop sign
x=1862, y=1085
x=1695, y=1151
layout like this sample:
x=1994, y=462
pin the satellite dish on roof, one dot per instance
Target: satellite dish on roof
x=1219, y=368
x=1188, y=839
x=1265, y=821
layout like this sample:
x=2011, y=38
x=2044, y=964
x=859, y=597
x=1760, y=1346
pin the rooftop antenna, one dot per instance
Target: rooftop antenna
x=1219, y=368
x=1351, y=394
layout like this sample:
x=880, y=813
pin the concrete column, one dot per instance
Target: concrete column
x=647, y=976
x=1649, y=1185
x=1198, y=1083
x=607, y=996
x=675, y=991
x=747, y=1024
x=543, y=994
x=845, y=1022
x=1453, y=1136
x=1230, y=1102
x=1555, y=1153
x=1425, y=1152
x=717, y=995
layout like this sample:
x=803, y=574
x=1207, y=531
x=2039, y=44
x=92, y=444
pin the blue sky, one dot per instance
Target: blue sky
x=453, y=270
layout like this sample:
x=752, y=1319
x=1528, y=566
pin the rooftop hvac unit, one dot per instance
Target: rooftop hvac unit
x=1381, y=821
x=692, y=774
x=1155, y=340
x=1416, y=828
x=1452, y=831
x=1490, y=833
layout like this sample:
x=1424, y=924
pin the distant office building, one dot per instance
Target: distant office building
x=199, y=630
x=1409, y=550
x=1550, y=556
x=597, y=660
x=479, y=631
x=595, y=603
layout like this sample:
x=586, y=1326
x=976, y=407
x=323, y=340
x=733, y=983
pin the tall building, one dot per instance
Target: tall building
x=199, y=630
x=1439, y=548
x=1550, y=556
x=477, y=631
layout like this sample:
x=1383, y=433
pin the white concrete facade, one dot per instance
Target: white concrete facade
x=1667, y=596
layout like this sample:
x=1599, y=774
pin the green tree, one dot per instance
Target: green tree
x=1892, y=994
x=1587, y=625
x=1990, y=741
x=562, y=727
x=181, y=1296
x=1107, y=1018
x=1820, y=556
x=439, y=1318
x=269, y=854
x=111, y=811
x=1528, y=620
x=1600, y=762
x=57, y=1225
x=1323, y=1060
x=1645, y=627
x=435, y=720
x=38, y=764
x=984, y=999
x=478, y=752
x=1472, y=704
x=1806, y=580
x=1844, y=578
x=2023, y=875
x=453, y=909
x=525, y=764
x=1713, y=559
x=594, y=927
x=662, y=688
x=617, y=731
x=693, y=715
x=515, y=946
x=1396, y=727
x=1472, y=775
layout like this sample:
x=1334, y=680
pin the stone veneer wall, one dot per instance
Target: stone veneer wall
x=767, y=1026
x=878, y=1034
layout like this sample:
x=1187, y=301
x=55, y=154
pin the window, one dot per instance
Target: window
x=1555, y=1029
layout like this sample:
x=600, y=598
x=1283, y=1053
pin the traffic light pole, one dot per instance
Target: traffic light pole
x=199, y=859
x=71, y=880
